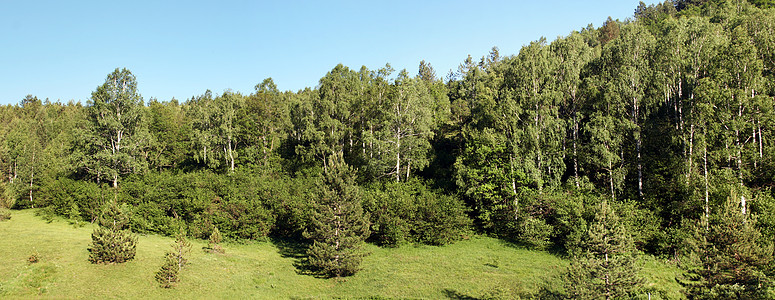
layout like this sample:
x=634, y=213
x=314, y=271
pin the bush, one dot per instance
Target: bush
x=391, y=208
x=567, y=217
x=7, y=199
x=64, y=192
x=409, y=211
x=288, y=199
x=535, y=232
x=441, y=219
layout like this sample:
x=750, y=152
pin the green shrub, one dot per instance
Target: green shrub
x=7, y=199
x=213, y=243
x=64, y=192
x=288, y=198
x=409, y=211
x=441, y=219
x=391, y=207
x=149, y=217
x=535, y=232
x=46, y=213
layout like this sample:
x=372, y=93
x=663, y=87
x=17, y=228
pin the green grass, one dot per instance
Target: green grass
x=480, y=267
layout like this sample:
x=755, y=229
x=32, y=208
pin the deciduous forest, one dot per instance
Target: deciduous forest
x=651, y=136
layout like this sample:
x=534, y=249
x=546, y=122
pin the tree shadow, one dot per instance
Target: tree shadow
x=516, y=244
x=453, y=294
x=297, y=250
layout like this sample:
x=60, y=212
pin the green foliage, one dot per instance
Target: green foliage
x=410, y=212
x=64, y=193
x=606, y=269
x=169, y=273
x=111, y=245
x=391, y=207
x=116, y=133
x=5, y=214
x=663, y=115
x=339, y=224
x=440, y=219
x=214, y=242
x=534, y=231
x=733, y=257
x=112, y=241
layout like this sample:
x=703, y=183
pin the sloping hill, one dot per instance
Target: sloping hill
x=480, y=267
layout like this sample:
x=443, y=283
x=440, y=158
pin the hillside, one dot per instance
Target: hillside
x=480, y=267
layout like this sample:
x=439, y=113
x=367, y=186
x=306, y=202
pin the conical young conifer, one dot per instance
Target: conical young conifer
x=733, y=257
x=112, y=241
x=606, y=268
x=340, y=226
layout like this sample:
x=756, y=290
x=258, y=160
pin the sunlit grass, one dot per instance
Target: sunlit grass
x=480, y=267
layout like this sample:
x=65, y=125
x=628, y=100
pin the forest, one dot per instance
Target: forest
x=653, y=135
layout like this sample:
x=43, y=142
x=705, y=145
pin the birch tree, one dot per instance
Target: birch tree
x=117, y=133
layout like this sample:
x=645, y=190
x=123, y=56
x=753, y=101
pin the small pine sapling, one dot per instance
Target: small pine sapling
x=167, y=276
x=112, y=241
x=169, y=273
x=5, y=214
x=213, y=245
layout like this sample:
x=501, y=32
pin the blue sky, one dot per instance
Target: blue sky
x=62, y=50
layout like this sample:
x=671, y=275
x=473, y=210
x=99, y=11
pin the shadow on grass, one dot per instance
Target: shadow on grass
x=453, y=294
x=297, y=250
x=552, y=249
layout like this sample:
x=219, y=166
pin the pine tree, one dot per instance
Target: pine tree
x=732, y=257
x=169, y=273
x=167, y=276
x=606, y=267
x=112, y=241
x=340, y=226
x=213, y=244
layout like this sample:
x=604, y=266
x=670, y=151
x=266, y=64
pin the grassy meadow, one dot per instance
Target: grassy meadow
x=477, y=268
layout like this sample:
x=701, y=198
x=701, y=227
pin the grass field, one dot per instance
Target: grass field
x=478, y=268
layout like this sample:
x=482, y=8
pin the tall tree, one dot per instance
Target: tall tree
x=409, y=125
x=330, y=120
x=572, y=54
x=200, y=111
x=629, y=76
x=263, y=120
x=529, y=114
x=226, y=126
x=170, y=130
x=117, y=133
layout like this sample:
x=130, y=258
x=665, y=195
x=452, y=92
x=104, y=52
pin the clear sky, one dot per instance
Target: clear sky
x=62, y=50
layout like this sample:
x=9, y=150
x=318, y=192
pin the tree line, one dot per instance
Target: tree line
x=666, y=119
